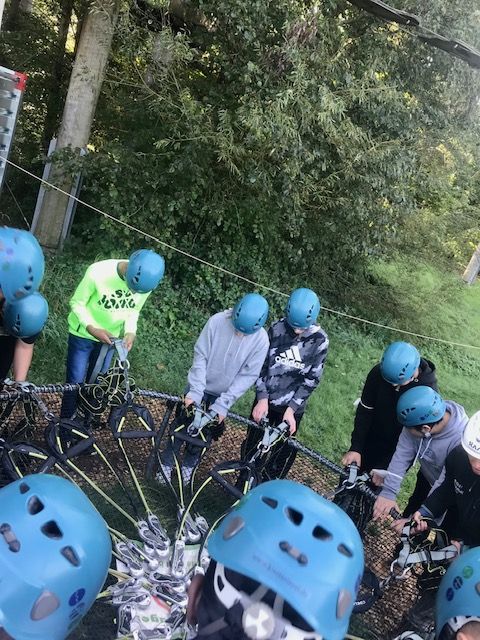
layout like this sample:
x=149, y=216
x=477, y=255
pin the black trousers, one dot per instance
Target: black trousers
x=7, y=351
x=282, y=456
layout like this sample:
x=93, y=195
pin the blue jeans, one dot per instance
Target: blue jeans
x=81, y=359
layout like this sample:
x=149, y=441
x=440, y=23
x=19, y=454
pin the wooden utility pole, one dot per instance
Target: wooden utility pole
x=473, y=267
x=78, y=113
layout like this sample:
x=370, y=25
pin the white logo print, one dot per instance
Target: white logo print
x=458, y=487
x=291, y=358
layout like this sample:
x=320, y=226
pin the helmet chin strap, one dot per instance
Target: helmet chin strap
x=449, y=632
x=257, y=620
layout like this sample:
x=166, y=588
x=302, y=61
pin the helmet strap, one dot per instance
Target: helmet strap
x=250, y=615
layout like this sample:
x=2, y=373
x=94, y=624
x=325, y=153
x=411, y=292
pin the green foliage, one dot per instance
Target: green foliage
x=285, y=141
x=290, y=142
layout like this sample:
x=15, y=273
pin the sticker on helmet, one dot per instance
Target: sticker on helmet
x=76, y=597
x=467, y=572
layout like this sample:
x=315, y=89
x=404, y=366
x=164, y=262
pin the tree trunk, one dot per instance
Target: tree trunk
x=471, y=272
x=82, y=96
x=11, y=17
x=58, y=73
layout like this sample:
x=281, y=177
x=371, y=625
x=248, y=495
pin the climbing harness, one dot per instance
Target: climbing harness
x=429, y=550
x=24, y=426
x=191, y=431
x=356, y=495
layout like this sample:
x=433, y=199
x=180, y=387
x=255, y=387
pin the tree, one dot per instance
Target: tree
x=282, y=138
x=57, y=74
x=83, y=91
x=471, y=272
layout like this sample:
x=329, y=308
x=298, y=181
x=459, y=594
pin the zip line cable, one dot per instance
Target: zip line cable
x=259, y=285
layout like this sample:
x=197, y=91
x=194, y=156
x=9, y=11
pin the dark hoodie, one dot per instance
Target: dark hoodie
x=376, y=428
x=460, y=488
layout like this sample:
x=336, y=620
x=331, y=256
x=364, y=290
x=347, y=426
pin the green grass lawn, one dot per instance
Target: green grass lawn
x=416, y=297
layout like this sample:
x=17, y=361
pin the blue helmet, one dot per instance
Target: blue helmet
x=303, y=308
x=145, y=270
x=458, y=599
x=399, y=362
x=301, y=546
x=26, y=317
x=55, y=552
x=22, y=263
x=250, y=313
x=420, y=405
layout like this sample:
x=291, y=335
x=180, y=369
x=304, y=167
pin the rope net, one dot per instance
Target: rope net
x=90, y=471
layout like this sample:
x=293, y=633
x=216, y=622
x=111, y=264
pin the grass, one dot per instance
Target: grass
x=417, y=297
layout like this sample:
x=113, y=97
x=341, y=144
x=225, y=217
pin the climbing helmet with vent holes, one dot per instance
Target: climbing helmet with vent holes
x=471, y=436
x=22, y=263
x=299, y=545
x=55, y=552
x=250, y=313
x=420, y=405
x=145, y=271
x=302, y=309
x=458, y=597
x=26, y=317
x=399, y=362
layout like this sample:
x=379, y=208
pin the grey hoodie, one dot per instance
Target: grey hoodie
x=431, y=452
x=225, y=364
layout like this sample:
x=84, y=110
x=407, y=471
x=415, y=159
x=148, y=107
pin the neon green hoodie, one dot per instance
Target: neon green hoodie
x=103, y=300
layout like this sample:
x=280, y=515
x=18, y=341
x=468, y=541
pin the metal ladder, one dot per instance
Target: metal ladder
x=12, y=86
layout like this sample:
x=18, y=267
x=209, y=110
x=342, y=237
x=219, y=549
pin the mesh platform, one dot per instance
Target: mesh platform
x=380, y=541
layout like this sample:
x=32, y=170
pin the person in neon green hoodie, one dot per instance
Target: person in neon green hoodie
x=107, y=305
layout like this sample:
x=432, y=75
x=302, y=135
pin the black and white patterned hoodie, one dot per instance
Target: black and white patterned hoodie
x=293, y=366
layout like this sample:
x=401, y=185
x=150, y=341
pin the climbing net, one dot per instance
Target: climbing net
x=116, y=462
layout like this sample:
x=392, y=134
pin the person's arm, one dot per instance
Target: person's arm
x=197, y=374
x=244, y=379
x=365, y=412
x=311, y=377
x=81, y=297
x=399, y=465
x=131, y=320
x=261, y=383
x=22, y=359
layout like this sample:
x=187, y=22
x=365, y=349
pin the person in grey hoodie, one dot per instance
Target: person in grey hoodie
x=228, y=357
x=432, y=428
